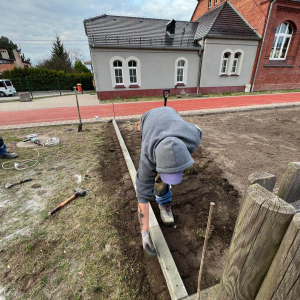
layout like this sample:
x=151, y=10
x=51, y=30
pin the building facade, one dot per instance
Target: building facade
x=8, y=64
x=142, y=56
x=277, y=61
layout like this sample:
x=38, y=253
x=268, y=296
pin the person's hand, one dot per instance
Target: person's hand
x=147, y=244
x=139, y=125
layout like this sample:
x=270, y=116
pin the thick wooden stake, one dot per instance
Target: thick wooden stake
x=283, y=279
x=290, y=185
x=266, y=180
x=260, y=228
x=212, y=204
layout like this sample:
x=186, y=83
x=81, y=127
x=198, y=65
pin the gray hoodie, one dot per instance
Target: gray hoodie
x=167, y=142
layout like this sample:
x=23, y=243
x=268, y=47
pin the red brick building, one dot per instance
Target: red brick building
x=277, y=63
x=8, y=64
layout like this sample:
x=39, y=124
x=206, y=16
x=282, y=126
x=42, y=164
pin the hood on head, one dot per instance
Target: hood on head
x=172, y=156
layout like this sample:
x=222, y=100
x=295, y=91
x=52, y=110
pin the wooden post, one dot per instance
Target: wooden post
x=266, y=180
x=283, y=279
x=260, y=228
x=289, y=189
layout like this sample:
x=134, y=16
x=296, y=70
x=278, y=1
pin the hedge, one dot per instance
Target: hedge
x=40, y=79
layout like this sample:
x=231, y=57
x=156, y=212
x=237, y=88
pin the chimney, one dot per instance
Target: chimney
x=18, y=61
x=4, y=54
x=171, y=28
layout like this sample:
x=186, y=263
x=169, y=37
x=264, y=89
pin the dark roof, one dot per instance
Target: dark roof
x=118, y=31
x=225, y=22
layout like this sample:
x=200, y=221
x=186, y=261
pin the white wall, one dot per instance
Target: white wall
x=157, y=67
x=212, y=57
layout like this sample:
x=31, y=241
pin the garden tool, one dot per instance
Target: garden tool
x=77, y=192
x=166, y=96
x=9, y=185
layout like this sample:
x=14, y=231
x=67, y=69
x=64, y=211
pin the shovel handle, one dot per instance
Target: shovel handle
x=61, y=205
x=166, y=97
x=25, y=180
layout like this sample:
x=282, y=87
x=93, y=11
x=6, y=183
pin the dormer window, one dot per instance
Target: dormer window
x=170, y=30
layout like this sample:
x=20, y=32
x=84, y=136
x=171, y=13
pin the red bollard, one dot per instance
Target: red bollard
x=79, y=89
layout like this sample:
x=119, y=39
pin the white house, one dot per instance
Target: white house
x=134, y=56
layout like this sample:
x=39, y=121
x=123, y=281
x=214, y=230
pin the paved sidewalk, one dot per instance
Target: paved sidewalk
x=64, y=115
x=51, y=102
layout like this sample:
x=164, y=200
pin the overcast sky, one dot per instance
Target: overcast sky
x=32, y=24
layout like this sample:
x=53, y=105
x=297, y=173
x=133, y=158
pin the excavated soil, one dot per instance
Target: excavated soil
x=149, y=280
x=202, y=183
x=233, y=146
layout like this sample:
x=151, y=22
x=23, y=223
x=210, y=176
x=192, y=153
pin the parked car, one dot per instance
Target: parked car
x=6, y=88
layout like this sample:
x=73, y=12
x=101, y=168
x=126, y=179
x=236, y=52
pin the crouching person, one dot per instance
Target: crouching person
x=167, y=144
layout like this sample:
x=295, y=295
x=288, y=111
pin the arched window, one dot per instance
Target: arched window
x=180, y=71
x=225, y=63
x=209, y=3
x=118, y=72
x=235, y=63
x=132, y=66
x=216, y=2
x=282, y=41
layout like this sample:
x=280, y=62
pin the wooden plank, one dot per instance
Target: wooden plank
x=266, y=180
x=289, y=189
x=283, y=279
x=260, y=228
x=174, y=282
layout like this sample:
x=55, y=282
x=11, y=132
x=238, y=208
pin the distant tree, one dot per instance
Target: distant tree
x=6, y=43
x=26, y=60
x=79, y=67
x=75, y=54
x=59, y=59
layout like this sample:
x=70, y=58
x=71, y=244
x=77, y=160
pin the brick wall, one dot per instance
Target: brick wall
x=202, y=8
x=254, y=11
x=4, y=67
x=275, y=74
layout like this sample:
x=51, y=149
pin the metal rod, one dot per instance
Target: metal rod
x=28, y=85
x=212, y=204
x=80, y=123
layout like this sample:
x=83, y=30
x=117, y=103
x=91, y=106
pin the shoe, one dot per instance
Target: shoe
x=9, y=155
x=166, y=214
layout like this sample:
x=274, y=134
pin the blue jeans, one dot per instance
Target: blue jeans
x=164, y=199
x=2, y=147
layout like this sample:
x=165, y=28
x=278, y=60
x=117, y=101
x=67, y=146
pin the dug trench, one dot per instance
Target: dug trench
x=201, y=184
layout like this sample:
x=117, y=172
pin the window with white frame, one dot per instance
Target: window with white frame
x=225, y=63
x=216, y=2
x=235, y=63
x=118, y=72
x=180, y=71
x=282, y=41
x=209, y=3
x=132, y=66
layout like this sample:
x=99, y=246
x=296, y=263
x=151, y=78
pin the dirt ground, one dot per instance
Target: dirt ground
x=233, y=147
x=202, y=183
x=92, y=248
x=258, y=141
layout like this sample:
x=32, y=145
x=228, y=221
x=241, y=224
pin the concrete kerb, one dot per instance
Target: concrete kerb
x=174, y=282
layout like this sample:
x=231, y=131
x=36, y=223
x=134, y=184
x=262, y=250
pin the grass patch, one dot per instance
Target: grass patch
x=75, y=253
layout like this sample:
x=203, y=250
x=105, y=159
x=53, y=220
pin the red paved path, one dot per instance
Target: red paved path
x=126, y=109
